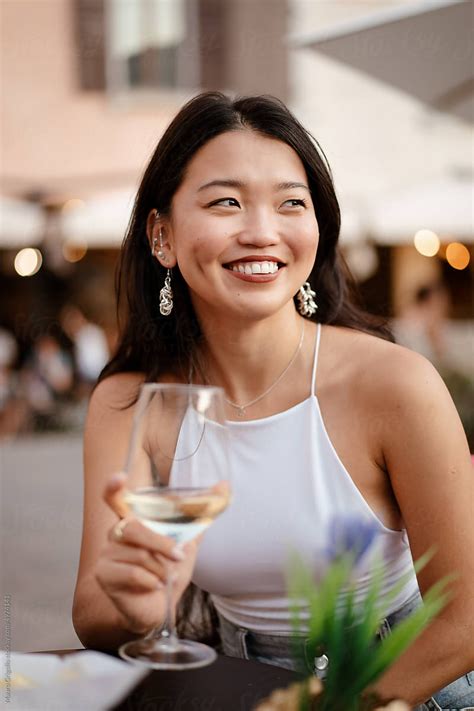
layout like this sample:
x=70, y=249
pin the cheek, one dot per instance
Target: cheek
x=313, y=235
x=315, y=244
x=202, y=244
x=307, y=241
x=197, y=252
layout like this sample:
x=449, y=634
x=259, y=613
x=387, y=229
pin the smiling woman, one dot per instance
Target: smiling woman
x=231, y=275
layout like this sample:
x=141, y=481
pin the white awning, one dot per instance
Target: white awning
x=424, y=49
x=22, y=224
x=445, y=206
x=102, y=221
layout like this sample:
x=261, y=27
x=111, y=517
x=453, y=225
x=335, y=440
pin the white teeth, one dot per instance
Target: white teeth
x=255, y=267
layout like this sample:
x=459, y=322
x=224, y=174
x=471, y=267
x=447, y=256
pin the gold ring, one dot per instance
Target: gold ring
x=118, y=529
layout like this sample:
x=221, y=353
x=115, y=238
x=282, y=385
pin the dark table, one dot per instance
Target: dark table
x=226, y=685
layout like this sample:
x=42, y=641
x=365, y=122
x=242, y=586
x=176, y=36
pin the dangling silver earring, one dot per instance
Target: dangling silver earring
x=306, y=304
x=166, y=296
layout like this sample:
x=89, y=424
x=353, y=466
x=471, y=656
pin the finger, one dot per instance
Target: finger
x=138, y=556
x=115, y=534
x=190, y=547
x=114, y=577
x=222, y=488
x=114, y=494
x=134, y=533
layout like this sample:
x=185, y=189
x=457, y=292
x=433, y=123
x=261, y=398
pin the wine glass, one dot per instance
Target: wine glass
x=176, y=464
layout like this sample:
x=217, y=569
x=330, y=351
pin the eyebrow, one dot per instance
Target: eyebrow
x=230, y=183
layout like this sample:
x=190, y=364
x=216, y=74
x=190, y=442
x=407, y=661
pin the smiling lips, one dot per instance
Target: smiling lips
x=255, y=267
x=248, y=270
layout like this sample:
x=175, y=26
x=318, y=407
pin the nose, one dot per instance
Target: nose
x=260, y=229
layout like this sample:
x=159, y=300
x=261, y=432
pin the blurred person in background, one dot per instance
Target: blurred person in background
x=13, y=409
x=47, y=381
x=425, y=326
x=90, y=348
x=422, y=324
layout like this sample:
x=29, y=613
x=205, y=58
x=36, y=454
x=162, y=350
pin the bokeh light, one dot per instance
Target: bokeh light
x=427, y=242
x=457, y=255
x=74, y=251
x=72, y=204
x=28, y=261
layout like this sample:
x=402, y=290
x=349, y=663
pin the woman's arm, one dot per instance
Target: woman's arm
x=429, y=465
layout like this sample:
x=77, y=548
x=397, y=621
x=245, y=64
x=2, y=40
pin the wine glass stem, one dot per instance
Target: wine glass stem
x=167, y=635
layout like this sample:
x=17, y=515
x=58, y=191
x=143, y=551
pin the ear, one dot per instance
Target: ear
x=158, y=231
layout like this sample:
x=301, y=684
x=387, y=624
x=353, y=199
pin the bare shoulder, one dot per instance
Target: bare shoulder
x=385, y=372
x=109, y=416
x=114, y=397
x=116, y=392
x=403, y=397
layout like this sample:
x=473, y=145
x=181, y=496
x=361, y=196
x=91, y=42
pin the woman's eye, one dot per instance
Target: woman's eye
x=296, y=202
x=222, y=201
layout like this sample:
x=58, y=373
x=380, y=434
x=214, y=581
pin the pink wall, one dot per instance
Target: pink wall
x=54, y=137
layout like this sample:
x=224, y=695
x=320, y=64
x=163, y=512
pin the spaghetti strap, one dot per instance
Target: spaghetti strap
x=315, y=362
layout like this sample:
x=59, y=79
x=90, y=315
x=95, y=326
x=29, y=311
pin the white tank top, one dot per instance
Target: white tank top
x=288, y=486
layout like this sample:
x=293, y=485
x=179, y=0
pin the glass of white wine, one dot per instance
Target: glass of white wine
x=177, y=468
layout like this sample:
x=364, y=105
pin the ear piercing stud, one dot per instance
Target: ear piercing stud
x=160, y=253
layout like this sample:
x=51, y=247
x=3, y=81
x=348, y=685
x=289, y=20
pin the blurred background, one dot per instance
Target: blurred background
x=88, y=87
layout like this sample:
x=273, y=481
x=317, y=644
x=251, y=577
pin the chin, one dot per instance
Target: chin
x=257, y=310
x=241, y=304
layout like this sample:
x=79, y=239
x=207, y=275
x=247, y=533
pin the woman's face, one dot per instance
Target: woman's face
x=242, y=226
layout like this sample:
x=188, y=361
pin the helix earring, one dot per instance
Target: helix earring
x=160, y=253
x=166, y=296
x=306, y=304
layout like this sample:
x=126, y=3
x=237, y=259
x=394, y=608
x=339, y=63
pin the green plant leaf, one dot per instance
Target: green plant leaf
x=345, y=629
x=390, y=648
x=398, y=587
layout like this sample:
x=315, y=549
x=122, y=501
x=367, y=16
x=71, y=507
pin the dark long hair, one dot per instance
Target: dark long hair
x=153, y=344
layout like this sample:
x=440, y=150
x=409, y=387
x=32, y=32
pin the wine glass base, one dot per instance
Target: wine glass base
x=156, y=654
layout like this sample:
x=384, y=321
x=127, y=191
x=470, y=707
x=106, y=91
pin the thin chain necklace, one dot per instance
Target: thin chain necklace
x=241, y=409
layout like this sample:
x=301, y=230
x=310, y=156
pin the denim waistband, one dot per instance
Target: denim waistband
x=281, y=649
x=282, y=646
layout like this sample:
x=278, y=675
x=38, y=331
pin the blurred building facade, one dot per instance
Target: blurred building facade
x=90, y=85
x=88, y=88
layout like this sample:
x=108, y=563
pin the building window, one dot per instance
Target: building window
x=152, y=44
x=183, y=46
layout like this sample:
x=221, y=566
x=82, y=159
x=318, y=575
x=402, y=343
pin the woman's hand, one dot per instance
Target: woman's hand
x=134, y=564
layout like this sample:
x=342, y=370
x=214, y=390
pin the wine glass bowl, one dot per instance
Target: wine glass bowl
x=177, y=464
x=178, y=513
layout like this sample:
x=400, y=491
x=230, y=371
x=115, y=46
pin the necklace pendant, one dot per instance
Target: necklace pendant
x=241, y=412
